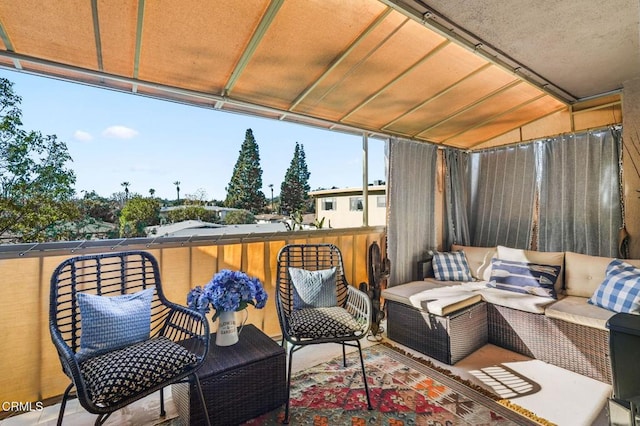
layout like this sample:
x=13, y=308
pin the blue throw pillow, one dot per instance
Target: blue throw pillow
x=524, y=277
x=451, y=266
x=620, y=290
x=110, y=323
x=313, y=289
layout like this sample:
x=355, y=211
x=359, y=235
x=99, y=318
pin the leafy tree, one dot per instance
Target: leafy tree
x=245, y=188
x=294, y=191
x=152, y=192
x=198, y=198
x=36, y=187
x=193, y=213
x=138, y=213
x=239, y=217
x=177, y=184
x=126, y=189
x=94, y=206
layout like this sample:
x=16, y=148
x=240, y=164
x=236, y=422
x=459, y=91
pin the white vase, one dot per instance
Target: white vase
x=227, y=333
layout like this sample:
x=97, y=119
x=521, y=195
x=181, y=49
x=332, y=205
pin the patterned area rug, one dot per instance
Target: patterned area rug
x=404, y=391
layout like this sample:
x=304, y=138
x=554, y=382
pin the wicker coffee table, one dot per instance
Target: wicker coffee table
x=239, y=382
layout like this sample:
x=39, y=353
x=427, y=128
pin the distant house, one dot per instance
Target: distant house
x=343, y=208
x=222, y=211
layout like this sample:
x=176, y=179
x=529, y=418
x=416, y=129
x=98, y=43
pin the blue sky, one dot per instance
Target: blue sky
x=115, y=137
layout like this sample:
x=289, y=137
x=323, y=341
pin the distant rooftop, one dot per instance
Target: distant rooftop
x=380, y=189
x=190, y=228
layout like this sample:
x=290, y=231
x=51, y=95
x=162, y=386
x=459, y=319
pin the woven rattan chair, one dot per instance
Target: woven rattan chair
x=346, y=323
x=103, y=383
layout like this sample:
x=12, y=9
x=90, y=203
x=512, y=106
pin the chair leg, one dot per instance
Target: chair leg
x=101, y=419
x=286, y=409
x=63, y=404
x=163, y=413
x=344, y=356
x=202, y=401
x=364, y=377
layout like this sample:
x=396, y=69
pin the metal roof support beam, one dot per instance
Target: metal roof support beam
x=365, y=180
x=402, y=75
x=437, y=95
x=471, y=105
x=340, y=58
x=5, y=38
x=139, y=24
x=496, y=116
x=7, y=42
x=96, y=33
x=261, y=30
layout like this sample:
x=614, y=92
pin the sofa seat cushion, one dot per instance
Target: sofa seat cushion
x=402, y=293
x=576, y=310
x=433, y=298
x=513, y=300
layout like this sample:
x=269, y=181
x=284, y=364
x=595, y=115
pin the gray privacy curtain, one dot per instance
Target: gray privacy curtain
x=411, y=226
x=456, y=180
x=503, y=187
x=580, y=206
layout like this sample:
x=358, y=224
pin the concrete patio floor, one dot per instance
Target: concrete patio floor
x=564, y=397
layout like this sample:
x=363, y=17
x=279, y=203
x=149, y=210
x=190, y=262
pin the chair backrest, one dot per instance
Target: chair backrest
x=110, y=274
x=312, y=257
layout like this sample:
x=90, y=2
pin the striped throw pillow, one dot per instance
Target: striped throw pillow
x=524, y=277
x=620, y=290
x=451, y=266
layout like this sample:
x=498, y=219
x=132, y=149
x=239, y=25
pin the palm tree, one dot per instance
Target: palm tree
x=126, y=190
x=177, y=184
x=152, y=192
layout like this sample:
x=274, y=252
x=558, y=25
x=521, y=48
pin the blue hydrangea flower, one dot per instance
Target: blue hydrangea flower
x=228, y=291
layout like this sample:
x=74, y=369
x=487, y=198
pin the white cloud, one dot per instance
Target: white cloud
x=83, y=136
x=119, y=132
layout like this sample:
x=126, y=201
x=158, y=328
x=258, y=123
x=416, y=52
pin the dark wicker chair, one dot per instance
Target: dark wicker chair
x=102, y=384
x=346, y=323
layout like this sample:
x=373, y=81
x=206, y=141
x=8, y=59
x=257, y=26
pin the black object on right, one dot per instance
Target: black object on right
x=624, y=345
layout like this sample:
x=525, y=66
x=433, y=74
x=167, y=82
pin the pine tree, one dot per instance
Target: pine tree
x=245, y=188
x=294, y=191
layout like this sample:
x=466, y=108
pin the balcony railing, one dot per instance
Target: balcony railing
x=30, y=370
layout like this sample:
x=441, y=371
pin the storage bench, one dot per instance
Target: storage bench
x=239, y=382
x=447, y=338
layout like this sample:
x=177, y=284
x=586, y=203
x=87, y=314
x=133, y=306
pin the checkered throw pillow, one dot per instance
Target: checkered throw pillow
x=451, y=266
x=620, y=290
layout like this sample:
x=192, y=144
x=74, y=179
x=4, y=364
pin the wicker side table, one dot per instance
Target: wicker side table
x=239, y=382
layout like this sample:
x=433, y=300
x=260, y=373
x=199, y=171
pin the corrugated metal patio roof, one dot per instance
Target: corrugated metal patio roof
x=352, y=66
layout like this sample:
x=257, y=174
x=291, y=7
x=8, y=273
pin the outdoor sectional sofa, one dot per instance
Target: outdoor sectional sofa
x=449, y=320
